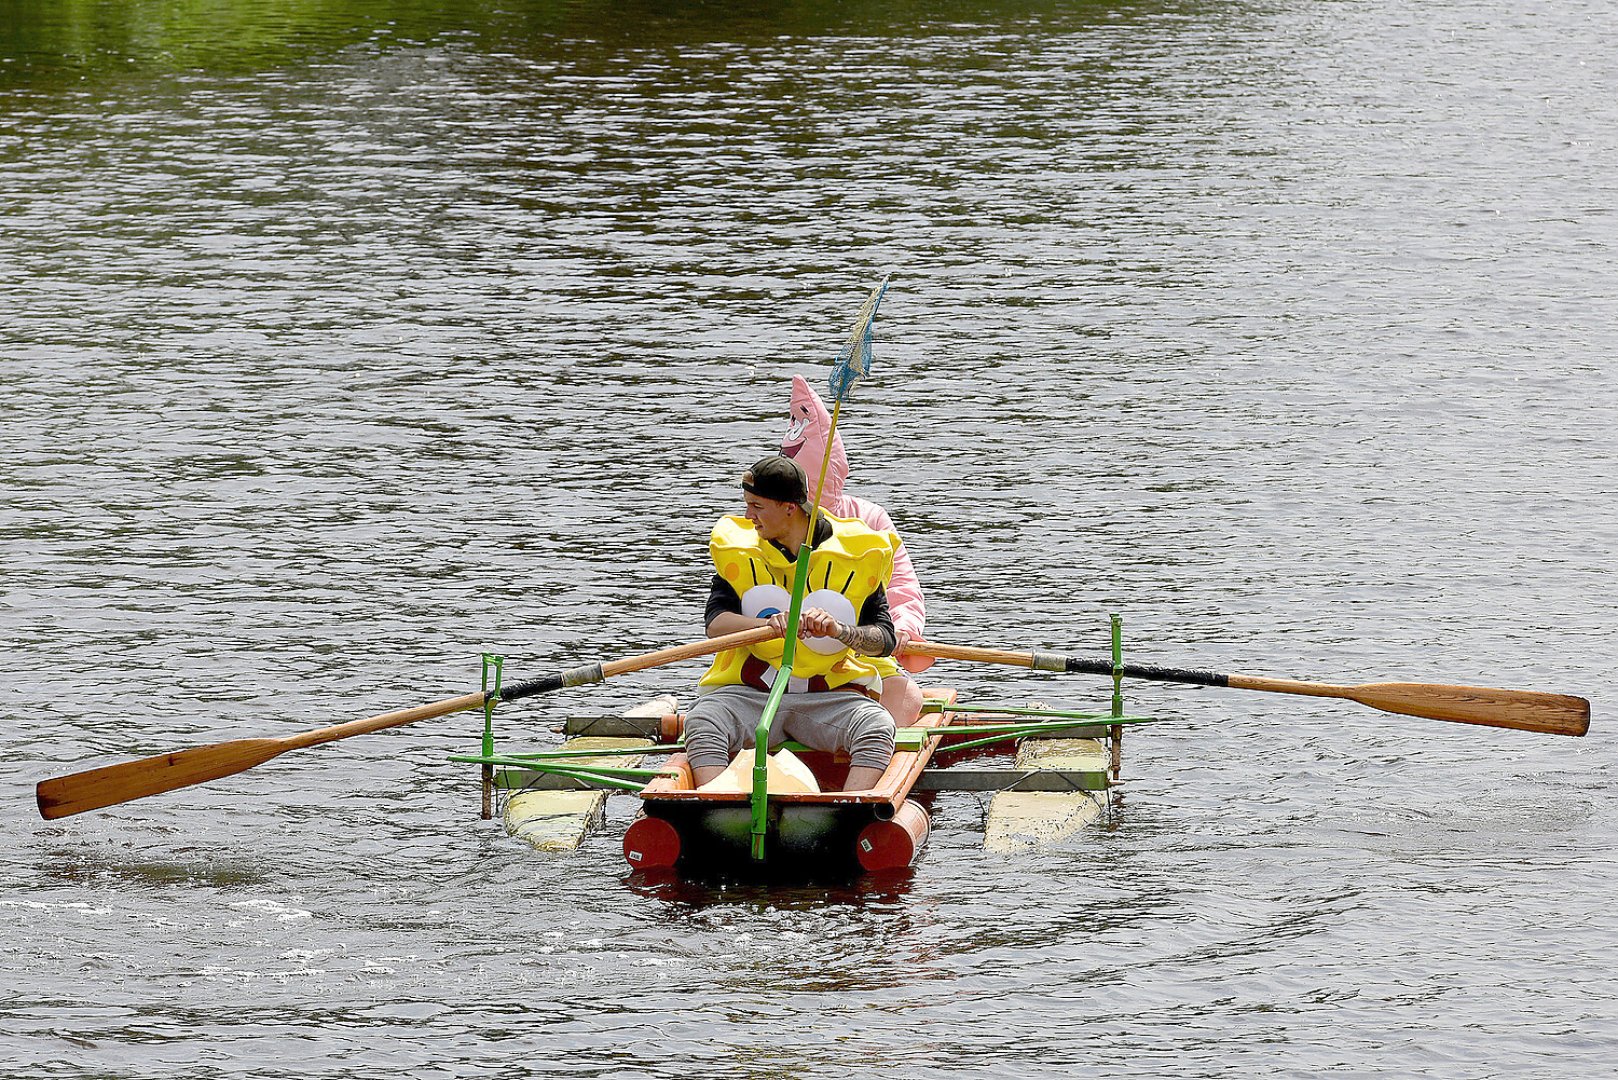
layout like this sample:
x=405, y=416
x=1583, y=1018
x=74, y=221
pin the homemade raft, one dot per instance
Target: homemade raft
x=795, y=828
x=1066, y=763
x=1059, y=755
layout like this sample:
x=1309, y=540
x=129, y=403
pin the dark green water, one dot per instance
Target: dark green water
x=344, y=341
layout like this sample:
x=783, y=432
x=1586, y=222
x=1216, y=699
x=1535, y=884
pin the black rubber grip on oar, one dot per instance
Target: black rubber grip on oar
x=1078, y=665
x=542, y=685
x=579, y=676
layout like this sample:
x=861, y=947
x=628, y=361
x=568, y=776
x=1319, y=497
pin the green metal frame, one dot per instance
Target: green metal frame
x=565, y=763
x=619, y=777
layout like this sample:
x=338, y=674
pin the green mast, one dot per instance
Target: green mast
x=853, y=362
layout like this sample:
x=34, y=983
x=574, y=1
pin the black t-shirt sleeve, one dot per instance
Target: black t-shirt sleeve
x=721, y=598
x=875, y=613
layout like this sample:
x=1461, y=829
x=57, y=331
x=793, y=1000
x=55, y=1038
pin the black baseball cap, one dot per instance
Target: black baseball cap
x=780, y=478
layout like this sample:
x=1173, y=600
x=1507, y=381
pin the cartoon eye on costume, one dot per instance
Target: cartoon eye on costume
x=838, y=607
x=762, y=601
x=792, y=441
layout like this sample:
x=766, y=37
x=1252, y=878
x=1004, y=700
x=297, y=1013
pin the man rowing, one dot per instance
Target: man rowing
x=832, y=701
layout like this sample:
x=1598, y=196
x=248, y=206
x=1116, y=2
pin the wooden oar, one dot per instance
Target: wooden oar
x=130, y=780
x=1525, y=710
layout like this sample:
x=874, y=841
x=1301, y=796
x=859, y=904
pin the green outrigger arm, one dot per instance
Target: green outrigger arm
x=573, y=764
x=1057, y=722
x=611, y=776
x=990, y=734
x=936, y=706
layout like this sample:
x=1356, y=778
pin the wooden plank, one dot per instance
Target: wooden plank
x=614, y=727
x=1011, y=780
x=1022, y=820
x=552, y=819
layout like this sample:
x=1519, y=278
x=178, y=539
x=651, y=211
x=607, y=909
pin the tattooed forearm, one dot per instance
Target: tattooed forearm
x=866, y=640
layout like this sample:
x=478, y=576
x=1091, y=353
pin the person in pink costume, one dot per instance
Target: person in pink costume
x=808, y=423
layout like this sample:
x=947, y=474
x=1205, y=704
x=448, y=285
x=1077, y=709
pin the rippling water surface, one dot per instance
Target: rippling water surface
x=343, y=342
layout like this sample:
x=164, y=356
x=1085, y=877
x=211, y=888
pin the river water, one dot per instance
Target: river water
x=343, y=342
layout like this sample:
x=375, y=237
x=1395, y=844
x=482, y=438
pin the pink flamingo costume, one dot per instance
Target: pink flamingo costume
x=808, y=422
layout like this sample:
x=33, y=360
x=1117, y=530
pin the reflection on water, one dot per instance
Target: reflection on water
x=683, y=896
x=345, y=341
x=142, y=38
x=68, y=868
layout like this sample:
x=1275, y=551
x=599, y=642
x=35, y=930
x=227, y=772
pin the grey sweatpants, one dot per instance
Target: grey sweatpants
x=724, y=720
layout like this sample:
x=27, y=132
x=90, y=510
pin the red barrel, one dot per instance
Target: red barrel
x=670, y=727
x=895, y=843
x=651, y=843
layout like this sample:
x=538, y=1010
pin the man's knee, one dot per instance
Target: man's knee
x=903, y=699
x=706, y=743
x=711, y=732
x=871, y=737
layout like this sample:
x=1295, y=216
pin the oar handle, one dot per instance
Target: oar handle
x=594, y=673
x=689, y=651
x=573, y=677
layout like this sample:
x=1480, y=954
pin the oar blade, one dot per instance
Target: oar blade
x=1523, y=710
x=63, y=796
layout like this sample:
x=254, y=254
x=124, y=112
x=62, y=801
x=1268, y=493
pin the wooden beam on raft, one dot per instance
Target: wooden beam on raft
x=553, y=818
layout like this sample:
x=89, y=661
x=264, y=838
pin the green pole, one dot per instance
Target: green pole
x=627, y=779
x=852, y=362
x=1010, y=710
x=1002, y=734
x=604, y=751
x=1117, y=693
x=761, y=735
x=1117, y=665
